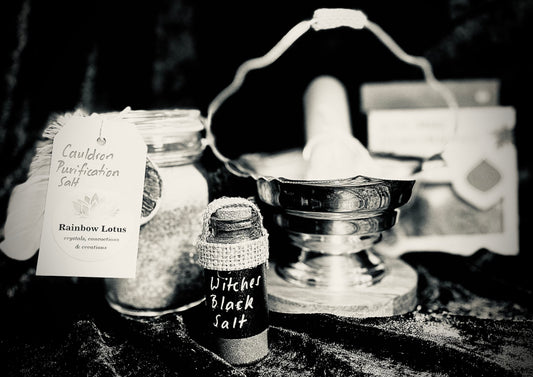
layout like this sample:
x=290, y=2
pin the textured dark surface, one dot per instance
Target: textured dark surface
x=474, y=318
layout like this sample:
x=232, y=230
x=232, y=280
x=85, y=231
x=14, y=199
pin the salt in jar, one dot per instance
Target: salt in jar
x=167, y=276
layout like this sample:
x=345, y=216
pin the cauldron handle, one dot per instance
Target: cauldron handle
x=323, y=19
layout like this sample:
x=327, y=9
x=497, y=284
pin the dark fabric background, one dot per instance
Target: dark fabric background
x=474, y=318
x=474, y=314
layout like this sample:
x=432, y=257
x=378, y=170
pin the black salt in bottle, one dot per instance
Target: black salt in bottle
x=233, y=249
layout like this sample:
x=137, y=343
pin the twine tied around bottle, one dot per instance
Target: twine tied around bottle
x=232, y=256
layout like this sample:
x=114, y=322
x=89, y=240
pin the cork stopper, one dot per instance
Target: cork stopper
x=234, y=213
x=231, y=219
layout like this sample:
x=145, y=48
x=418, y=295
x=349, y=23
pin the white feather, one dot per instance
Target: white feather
x=25, y=218
x=25, y=211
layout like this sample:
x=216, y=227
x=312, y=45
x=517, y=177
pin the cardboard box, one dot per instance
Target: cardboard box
x=466, y=195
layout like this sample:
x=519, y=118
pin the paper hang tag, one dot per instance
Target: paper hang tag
x=94, y=198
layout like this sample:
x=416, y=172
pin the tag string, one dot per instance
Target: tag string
x=324, y=19
x=101, y=140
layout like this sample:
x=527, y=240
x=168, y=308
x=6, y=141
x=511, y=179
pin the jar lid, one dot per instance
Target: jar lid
x=173, y=136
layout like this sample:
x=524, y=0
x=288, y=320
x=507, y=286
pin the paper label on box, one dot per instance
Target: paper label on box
x=94, y=198
x=415, y=133
x=423, y=133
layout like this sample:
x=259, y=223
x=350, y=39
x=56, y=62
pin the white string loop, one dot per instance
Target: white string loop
x=325, y=18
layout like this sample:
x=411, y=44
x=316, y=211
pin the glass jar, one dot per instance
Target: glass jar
x=167, y=276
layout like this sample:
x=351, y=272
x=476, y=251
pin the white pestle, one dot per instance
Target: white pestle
x=331, y=151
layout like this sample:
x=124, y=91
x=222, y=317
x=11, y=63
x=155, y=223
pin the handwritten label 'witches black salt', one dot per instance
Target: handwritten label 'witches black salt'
x=236, y=301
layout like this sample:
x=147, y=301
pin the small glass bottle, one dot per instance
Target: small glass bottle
x=233, y=249
x=167, y=276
